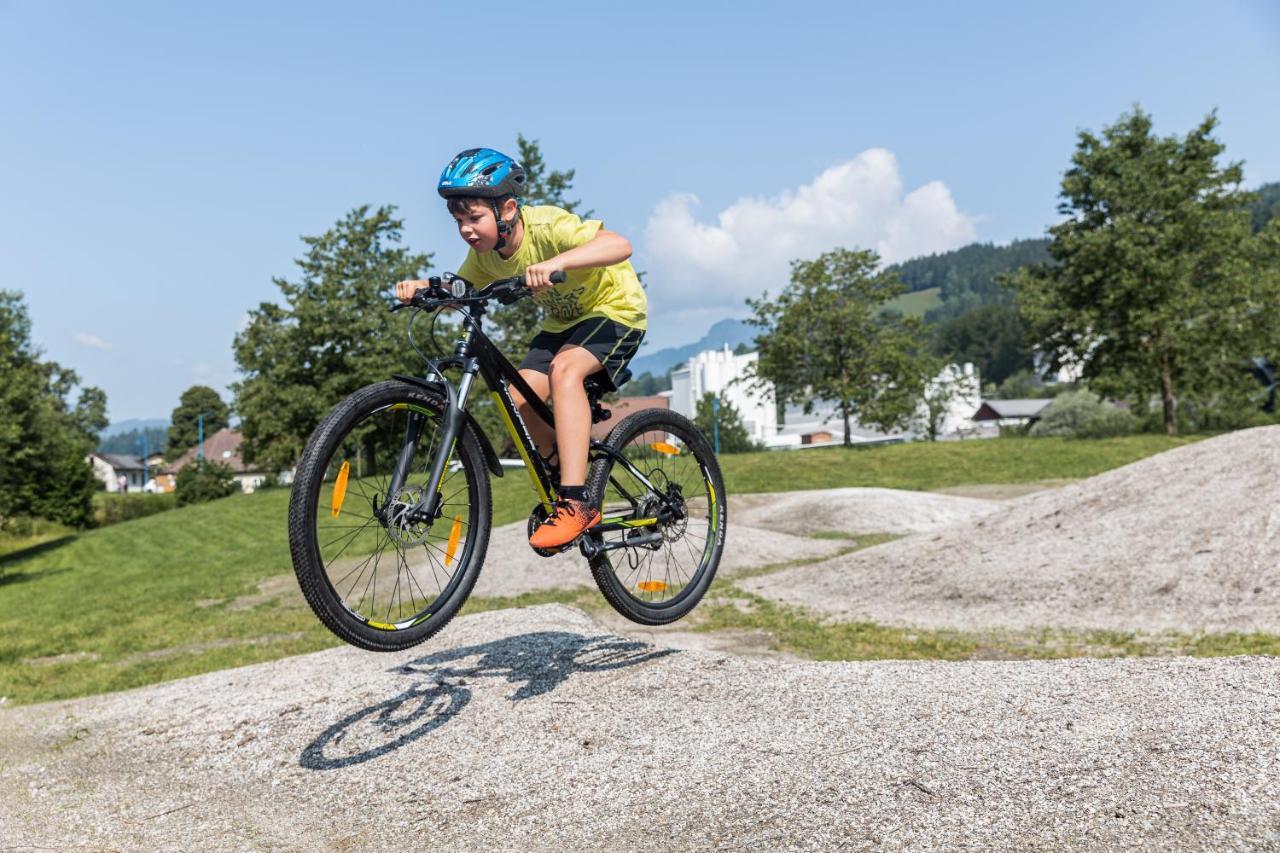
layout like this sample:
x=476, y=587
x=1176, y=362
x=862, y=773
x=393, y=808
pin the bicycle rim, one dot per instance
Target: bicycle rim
x=396, y=575
x=671, y=557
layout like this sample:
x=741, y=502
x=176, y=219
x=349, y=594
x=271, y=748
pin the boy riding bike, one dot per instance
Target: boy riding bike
x=595, y=320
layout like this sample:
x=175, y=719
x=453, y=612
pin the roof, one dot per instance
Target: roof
x=992, y=410
x=121, y=461
x=624, y=406
x=223, y=446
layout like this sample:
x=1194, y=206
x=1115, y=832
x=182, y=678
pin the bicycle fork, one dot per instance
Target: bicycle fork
x=428, y=505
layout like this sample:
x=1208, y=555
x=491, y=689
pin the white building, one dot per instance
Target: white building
x=722, y=373
x=966, y=397
x=825, y=424
x=118, y=471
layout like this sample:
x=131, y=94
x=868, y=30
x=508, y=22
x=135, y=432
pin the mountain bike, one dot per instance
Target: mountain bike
x=391, y=507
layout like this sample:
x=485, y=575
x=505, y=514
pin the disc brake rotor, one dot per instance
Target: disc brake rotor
x=405, y=530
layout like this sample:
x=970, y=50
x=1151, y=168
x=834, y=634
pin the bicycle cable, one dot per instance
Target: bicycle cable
x=431, y=333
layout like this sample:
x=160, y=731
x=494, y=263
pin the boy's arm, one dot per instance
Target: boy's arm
x=605, y=249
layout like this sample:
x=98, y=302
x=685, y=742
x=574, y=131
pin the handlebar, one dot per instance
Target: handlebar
x=505, y=290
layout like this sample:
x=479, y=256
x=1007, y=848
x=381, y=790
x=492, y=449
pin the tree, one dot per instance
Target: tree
x=826, y=337
x=726, y=422
x=992, y=337
x=1154, y=290
x=968, y=277
x=44, y=441
x=204, y=480
x=332, y=334
x=1080, y=414
x=184, y=426
x=515, y=325
x=1266, y=207
x=948, y=385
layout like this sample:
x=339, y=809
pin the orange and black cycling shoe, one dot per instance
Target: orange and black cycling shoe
x=570, y=520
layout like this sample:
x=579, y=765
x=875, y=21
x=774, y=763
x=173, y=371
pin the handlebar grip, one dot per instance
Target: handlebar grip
x=557, y=276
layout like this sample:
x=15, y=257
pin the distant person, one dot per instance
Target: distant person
x=122, y=483
x=595, y=319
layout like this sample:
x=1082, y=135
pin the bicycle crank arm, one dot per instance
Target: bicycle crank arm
x=594, y=547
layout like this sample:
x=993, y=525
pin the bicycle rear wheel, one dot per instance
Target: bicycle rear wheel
x=675, y=526
x=374, y=575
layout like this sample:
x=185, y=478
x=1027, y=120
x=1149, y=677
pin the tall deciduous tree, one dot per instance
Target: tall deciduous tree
x=515, y=325
x=724, y=423
x=826, y=337
x=1155, y=289
x=185, y=423
x=44, y=440
x=332, y=334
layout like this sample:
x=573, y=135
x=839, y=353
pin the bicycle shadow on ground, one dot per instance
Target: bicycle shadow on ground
x=538, y=662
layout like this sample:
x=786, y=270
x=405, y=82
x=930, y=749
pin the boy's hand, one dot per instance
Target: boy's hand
x=538, y=276
x=406, y=289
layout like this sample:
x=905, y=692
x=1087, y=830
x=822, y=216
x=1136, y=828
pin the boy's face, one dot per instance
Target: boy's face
x=478, y=226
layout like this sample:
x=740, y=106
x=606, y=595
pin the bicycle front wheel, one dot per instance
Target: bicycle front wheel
x=375, y=574
x=667, y=506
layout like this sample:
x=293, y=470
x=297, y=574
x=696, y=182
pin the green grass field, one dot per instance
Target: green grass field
x=917, y=303
x=178, y=593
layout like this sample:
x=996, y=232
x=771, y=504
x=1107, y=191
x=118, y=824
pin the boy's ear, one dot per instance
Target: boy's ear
x=509, y=208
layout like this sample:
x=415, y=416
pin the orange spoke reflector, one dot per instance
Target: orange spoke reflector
x=651, y=586
x=340, y=488
x=663, y=447
x=454, y=535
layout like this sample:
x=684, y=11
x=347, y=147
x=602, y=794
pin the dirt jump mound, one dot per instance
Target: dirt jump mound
x=1185, y=541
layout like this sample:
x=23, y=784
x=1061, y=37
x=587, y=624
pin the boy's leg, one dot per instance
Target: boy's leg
x=539, y=430
x=569, y=368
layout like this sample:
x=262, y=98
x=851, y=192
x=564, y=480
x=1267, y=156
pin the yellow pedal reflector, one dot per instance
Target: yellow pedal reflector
x=340, y=488
x=454, y=535
x=651, y=586
x=663, y=447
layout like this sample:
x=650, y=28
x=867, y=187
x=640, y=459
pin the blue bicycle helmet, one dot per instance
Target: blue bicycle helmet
x=484, y=173
x=481, y=173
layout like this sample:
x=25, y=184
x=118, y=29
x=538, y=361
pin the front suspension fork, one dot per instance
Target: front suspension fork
x=429, y=504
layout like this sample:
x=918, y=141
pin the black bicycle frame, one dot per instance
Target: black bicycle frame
x=475, y=354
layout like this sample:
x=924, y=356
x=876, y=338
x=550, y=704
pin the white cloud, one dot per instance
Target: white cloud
x=711, y=267
x=86, y=339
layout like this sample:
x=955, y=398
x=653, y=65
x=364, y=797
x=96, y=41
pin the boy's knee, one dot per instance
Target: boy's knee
x=566, y=377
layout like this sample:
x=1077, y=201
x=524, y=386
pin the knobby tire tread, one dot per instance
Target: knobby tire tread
x=597, y=482
x=302, y=506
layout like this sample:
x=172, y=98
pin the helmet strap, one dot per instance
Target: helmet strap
x=504, y=227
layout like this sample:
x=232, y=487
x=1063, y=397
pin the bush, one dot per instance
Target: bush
x=1080, y=414
x=206, y=481
x=115, y=508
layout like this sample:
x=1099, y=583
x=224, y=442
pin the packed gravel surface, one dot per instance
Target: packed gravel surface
x=764, y=530
x=1186, y=541
x=855, y=510
x=511, y=567
x=532, y=729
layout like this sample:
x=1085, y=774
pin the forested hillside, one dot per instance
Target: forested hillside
x=966, y=277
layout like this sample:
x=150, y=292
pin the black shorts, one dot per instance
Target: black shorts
x=613, y=345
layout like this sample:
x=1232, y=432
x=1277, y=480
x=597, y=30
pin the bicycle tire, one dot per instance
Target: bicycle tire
x=338, y=433
x=627, y=593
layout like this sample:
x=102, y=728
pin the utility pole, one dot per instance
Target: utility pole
x=715, y=421
x=200, y=431
x=145, y=453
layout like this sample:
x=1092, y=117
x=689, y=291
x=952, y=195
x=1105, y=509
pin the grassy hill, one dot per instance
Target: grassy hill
x=915, y=304
x=209, y=587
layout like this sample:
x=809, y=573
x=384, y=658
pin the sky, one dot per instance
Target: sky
x=159, y=161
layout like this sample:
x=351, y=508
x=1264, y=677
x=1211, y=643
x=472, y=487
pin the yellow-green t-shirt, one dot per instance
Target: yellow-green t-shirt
x=612, y=291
